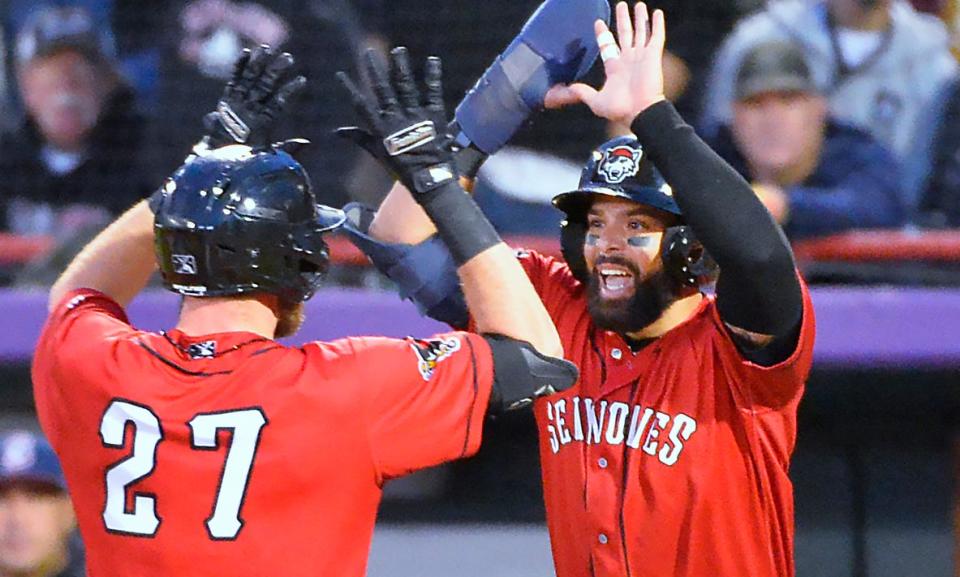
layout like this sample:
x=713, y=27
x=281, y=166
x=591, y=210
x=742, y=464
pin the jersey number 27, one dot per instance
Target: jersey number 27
x=141, y=518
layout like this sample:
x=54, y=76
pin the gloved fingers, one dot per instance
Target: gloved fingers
x=380, y=82
x=433, y=78
x=238, y=69
x=368, y=114
x=401, y=75
x=274, y=70
x=281, y=96
x=259, y=58
x=361, y=138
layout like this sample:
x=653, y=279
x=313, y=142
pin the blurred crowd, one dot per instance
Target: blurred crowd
x=843, y=114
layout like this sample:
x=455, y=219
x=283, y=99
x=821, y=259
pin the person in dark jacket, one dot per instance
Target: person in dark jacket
x=940, y=192
x=815, y=175
x=75, y=159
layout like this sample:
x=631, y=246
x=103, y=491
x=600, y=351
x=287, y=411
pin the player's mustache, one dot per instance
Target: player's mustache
x=619, y=261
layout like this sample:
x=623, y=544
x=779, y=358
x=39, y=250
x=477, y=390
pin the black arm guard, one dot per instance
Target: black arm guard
x=521, y=374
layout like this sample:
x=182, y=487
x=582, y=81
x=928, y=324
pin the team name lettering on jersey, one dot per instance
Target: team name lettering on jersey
x=589, y=421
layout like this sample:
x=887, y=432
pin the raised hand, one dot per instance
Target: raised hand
x=262, y=84
x=633, y=64
x=406, y=135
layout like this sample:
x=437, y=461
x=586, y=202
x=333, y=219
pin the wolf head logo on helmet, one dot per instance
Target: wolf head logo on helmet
x=619, y=162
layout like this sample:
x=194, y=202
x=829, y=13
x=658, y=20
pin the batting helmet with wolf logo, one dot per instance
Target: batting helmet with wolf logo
x=619, y=169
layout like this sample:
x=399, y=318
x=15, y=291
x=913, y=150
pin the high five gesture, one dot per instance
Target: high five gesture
x=633, y=64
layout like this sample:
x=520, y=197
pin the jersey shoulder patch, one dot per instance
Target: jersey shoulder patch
x=431, y=352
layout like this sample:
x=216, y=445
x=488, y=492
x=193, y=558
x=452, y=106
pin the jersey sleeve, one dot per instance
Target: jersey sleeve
x=424, y=399
x=73, y=344
x=777, y=386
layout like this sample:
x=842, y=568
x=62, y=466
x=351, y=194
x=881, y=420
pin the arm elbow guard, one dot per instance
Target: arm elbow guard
x=424, y=273
x=521, y=374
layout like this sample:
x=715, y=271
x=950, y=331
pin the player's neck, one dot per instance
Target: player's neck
x=204, y=316
x=678, y=311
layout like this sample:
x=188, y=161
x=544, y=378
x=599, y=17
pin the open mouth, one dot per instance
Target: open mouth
x=616, y=282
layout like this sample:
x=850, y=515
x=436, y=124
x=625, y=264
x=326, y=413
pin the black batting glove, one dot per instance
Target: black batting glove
x=406, y=135
x=262, y=84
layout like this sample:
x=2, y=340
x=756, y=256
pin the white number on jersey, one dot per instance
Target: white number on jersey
x=141, y=519
x=225, y=522
x=147, y=434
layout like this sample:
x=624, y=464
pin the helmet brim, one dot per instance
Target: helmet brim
x=579, y=200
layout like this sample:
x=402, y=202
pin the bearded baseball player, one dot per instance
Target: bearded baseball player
x=212, y=449
x=670, y=455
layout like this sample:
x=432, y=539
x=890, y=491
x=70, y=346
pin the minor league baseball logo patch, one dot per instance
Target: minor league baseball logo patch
x=619, y=163
x=184, y=264
x=202, y=350
x=431, y=352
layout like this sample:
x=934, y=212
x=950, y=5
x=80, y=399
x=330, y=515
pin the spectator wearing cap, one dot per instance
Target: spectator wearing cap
x=880, y=63
x=75, y=159
x=815, y=175
x=36, y=517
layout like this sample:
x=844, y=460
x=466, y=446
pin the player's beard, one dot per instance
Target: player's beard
x=650, y=298
x=289, y=319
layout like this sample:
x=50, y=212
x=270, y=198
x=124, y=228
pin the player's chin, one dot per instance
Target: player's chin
x=613, y=304
x=612, y=315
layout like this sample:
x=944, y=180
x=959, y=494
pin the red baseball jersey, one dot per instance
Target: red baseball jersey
x=230, y=454
x=672, y=460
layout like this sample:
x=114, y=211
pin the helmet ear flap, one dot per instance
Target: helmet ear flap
x=685, y=259
x=311, y=261
x=573, y=232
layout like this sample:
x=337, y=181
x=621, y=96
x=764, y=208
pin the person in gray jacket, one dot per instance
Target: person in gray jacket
x=880, y=62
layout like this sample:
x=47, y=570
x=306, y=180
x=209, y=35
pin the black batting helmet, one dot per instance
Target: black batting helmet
x=619, y=169
x=240, y=220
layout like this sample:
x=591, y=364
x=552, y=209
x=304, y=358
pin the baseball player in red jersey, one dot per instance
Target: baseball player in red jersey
x=670, y=455
x=211, y=449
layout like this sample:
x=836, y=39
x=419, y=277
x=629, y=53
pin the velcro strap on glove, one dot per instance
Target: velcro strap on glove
x=410, y=137
x=432, y=177
x=232, y=123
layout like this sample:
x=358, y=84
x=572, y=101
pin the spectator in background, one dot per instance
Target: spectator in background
x=74, y=161
x=36, y=517
x=879, y=62
x=930, y=6
x=815, y=175
x=695, y=30
x=200, y=40
x=940, y=199
x=14, y=14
